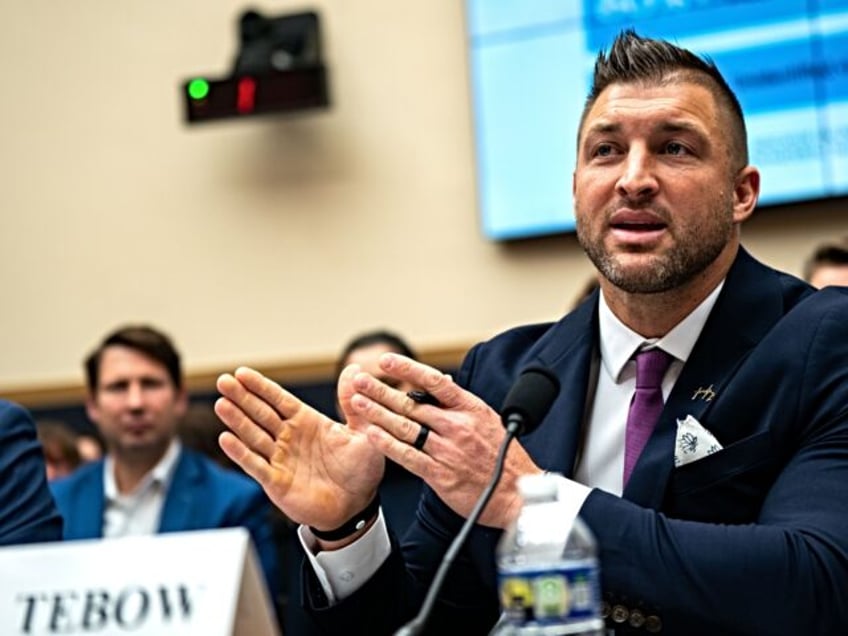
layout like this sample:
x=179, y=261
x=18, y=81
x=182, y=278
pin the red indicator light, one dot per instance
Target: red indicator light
x=246, y=95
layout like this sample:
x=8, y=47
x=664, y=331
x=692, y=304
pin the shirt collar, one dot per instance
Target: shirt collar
x=161, y=473
x=619, y=343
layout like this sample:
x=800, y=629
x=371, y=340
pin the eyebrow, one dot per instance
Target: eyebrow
x=144, y=380
x=681, y=126
x=678, y=125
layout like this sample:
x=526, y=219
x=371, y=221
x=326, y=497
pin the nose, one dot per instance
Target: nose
x=638, y=179
x=135, y=396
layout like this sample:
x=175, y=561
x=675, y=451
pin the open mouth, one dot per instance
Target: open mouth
x=638, y=227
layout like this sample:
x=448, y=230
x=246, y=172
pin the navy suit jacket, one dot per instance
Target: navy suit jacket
x=27, y=511
x=750, y=540
x=202, y=495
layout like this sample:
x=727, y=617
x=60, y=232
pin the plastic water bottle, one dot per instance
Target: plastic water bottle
x=548, y=572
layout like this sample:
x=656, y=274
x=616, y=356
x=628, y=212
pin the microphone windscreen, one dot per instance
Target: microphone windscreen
x=530, y=398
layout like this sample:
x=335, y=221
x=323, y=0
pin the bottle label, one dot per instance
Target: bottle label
x=563, y=594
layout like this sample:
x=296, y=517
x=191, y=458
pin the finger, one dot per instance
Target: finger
x=417, y=462
x=249, y=461
x=253, y=436
x=269, y=392
x=399, y=426
x=410, y=411
x=346, y=391
x=438, y=384
x=248, y=405
x=262, y=400
x=422, y=397
x=400, y=402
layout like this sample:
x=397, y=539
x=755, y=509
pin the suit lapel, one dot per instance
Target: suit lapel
x=747, y=307
x=181, y=503
x=568, y=352
x=90, y=509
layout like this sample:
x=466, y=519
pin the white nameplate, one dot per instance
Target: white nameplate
x=203, y=583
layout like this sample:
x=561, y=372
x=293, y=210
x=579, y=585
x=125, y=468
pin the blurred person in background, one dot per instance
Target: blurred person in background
x=89, y=447
x=199, y=429
x=27, y=511
x=828, y=265
x=59, y=443
x=148, y=482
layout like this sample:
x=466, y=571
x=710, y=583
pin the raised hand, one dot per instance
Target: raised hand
x=317, y=471
x=458, y=456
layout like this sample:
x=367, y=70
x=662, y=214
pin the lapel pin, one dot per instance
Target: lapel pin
x=705, y=394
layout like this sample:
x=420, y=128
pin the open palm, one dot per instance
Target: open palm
x=317, y=471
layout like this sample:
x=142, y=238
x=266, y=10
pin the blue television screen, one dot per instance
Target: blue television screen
x=530, y=67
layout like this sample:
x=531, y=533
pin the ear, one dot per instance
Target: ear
x=746, y=192
x=91, y=408
x=182, y=402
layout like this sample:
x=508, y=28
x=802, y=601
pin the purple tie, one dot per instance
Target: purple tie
x=646, y=406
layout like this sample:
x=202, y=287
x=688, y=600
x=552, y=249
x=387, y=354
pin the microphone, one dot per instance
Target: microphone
x=529, y=400
x=524, y=407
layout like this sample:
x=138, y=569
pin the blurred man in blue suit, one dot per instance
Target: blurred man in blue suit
x=27, y=511
x=733, y=518
x=148, y=482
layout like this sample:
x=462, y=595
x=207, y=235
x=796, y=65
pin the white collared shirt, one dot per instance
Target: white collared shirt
x=138, y=512
x=601, y=464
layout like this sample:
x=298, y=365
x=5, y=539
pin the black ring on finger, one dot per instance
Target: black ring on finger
x=419, y=442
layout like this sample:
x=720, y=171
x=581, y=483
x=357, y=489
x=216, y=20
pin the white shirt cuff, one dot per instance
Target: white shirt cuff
x=572, y=496
x=342, y=572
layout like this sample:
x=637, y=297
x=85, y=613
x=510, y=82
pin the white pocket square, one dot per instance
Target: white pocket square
x=693, y=442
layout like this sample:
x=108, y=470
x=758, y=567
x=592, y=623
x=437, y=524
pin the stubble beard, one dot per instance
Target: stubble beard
x=694, y=250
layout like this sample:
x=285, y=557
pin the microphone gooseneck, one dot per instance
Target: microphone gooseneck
x=524, y=407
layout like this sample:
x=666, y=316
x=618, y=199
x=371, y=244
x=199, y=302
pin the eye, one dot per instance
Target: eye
x=603, y=150
x=152, y=383
x=675, y=148
x=115, y=387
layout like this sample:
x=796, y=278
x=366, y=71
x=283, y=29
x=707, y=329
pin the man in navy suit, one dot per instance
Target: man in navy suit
x=749, y=538
x=27, y=511
x=148, y=482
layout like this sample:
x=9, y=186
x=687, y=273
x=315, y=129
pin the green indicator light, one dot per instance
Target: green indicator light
x=198, y=88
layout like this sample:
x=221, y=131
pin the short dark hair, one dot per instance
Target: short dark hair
x=634, y=59
x=826, y=254
x=58, y=441
x=142, y=338
x=378, y=336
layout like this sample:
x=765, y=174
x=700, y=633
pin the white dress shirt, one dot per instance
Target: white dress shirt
x=600, y=465
x=138, y=512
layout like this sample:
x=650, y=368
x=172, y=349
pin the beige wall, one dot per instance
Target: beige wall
x=265, y=241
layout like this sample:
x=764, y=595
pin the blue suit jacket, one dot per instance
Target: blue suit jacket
x=27, y=511
x=202, y=495
x=750, y=540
